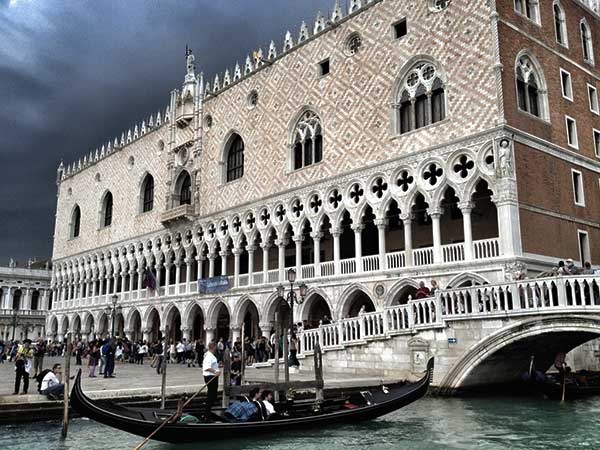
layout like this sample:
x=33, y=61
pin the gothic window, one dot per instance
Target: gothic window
x=308, y=141
x=531, y=94
x=185, y=189
x=528, y=8
x=586, y=42
x=422, y=99
x=560, y=27
x=148, y=193
x=438, y=5
x=75, y=222
x=235, y=158
x=107, y=210
x=353, y=44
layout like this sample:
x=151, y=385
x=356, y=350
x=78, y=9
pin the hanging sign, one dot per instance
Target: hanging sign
x=213, y=285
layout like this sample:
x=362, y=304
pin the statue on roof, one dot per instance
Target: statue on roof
x=191, y=61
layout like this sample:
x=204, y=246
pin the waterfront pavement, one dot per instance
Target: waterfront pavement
x=135, y=381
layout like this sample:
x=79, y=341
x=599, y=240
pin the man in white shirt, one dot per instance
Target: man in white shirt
x=51, y=386
x=180, y=351
x=210, y=371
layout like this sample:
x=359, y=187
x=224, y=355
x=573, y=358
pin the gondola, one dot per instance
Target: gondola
x=366, y=405
x=552, y=388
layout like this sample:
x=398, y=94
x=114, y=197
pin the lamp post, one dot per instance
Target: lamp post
x=291, y=296
x=112, y=311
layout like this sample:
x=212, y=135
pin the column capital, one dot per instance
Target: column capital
x=236, y=329
x=406, y=217
x=357, y=228
x=237, y=251
x=317, y=235
x=435, y=213
x=189, y=260
x=265, y=245
x=281, y=242
x=212, y=256
x=251, y=248
x=381, y=223
x=336, y=232
x=265, y=327
x=223, y=254
x=466, y=206
x=298, y=239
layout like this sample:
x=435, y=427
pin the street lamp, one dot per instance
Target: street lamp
x=112, y=311
x=291, y=297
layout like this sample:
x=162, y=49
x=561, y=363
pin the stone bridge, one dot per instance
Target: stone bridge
x=479, y=335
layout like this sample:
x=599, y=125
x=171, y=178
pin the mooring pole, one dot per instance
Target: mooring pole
x=286, y=366
x=163, y=364
x=67, y=374
x=276, y=349
x=226, y=377
x=318, y=372
x=243, y=369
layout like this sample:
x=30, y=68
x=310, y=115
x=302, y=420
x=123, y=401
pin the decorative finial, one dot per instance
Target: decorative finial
x=303, y=32
x=272, y=50
x=319, y=23
x=289, y=42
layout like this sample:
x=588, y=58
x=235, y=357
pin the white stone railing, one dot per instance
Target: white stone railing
x=396, y=260
x=453, y=252
x=23, y=312
x=243, y=280
x=487, y=248
x=273, y=276
x=423, y=256
x=327, y=269
x=348, y=266
x=308, y=271
x=574, y=294
x=370, y=263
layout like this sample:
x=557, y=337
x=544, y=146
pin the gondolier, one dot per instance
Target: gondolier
x=210, y=370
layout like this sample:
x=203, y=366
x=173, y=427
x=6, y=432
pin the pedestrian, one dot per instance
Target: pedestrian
x=23, y=366
x=94, y=356
x=210, y=371
x=200, y=352
x=38, y=357
x=180, y=352
x=159, y=351
x=587, y=268
x=102, y=357
x=109, y=350
x=434, y=287
x=78, y=353
x=51, y=386
x=423, y=291
x=293, y=360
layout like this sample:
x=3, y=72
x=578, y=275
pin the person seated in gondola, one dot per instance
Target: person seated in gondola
x=266, y=402
x=246, y=410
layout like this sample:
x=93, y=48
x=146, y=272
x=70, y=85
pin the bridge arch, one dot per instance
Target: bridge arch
x=502, y=356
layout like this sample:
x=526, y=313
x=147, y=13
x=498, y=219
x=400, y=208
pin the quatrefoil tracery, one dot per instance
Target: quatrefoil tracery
x=280, y=213
x=433, y=173
x=297, y=208
x=335, y=198
x=356, y=193
x=464, y=166
x=405, y=180
x=250, y=221
x=237, y=224
x=315, y=203
x=379, y=187
x=265, y=217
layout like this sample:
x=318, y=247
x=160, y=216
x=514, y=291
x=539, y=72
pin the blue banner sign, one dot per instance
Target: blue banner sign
x=452, y=340
x=213, y=285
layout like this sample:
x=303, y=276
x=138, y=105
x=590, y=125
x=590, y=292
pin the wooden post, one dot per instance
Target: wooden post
x=276, y=349
x=226, y=377
x=243, y=368
x=318, y=372
x=67, y=374
x=163, y=384
x=286, y=366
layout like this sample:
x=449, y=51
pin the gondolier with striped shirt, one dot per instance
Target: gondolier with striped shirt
x=210, y=370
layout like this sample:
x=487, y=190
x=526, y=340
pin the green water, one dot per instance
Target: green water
x=431, y=423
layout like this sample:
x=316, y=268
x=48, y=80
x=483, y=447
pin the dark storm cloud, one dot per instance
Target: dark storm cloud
x=74, y=74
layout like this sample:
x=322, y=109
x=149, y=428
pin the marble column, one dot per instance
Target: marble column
x=250, y=249
x=298, y=241
x=358, y=228
x=466, y=208
x=237, y=252
x=436, y=214
x=381, y=227
x=265, y=249
x=211, y=265
x=224, y=255
x=281, y=243
x=408, y=244
x=317, y=250
x=336, y=233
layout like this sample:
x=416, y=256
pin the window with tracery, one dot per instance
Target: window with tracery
x=76, y=222
x=560, y=26
x=235, y=159
x=586, y=42
x=422, y=99
x=148, y=192
x=308, y=141
x=185, y=189
x=107, y=210
x=531, y=96
x=529, y=8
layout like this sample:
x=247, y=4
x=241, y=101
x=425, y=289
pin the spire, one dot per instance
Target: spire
x=122, y=143
x=216, y=85
x=167, y=114
x=303, y=32
x=272, y=50
x=237, y=73
x=129, y=138
x=136, y=133
x=319, y=23
x=207, y=90
x=337, y=12
x=289, y=42
x=96, y=156
x=201, y=83
x=143, y=130
x=259, y=58
x=158, y=120
x=226, y=78
x=151, y=121
x=248, y=68
x=116, y=143
x=354, y=5
x=102, y=152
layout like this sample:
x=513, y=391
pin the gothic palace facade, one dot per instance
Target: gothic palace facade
x=395, y=142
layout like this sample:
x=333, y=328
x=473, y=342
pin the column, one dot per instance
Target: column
x=235, y=333
x=82, y=286
x=408, y=250
x=177, y=275
x=298, y=241
x=167, y=276
x=210, y=335
x=466, y=208
x=158, y=271
x=317, y=250
x=188, y=270
x=132, y=280
x=122, y=280
x=265, y=248
x=381, y=227
x=27, y=299
x=265, y=329
x=358, y=228
x=336, y=233
x=211, y=266
x=436, y=214
x=140, y=285
x=45, y=300
x=236, y=266
x=146, y=334
x=508, y=224
x=6, y=301
x=224, y=255
x=281, y=243
x=250, y=249
x=199, y=274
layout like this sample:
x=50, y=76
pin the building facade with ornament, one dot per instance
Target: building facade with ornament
x=389, y=143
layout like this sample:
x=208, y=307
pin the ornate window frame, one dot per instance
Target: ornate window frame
x=529, y=66
x=306, y=129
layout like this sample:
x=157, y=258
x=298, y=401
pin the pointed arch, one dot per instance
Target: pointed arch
x=532, y=90
x=461, y=279
x=182, y=194
x=352, y=299
x=314, y=297
x=241, y=307
x=232, y=157
x=560, y=24
x=400, y=290
x=587, y=41
x=306, y=139
x=146, y=193
x=106, y=210
x=75, y=223
x=213, y=310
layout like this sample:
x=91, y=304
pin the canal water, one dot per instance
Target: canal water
x=431, y=423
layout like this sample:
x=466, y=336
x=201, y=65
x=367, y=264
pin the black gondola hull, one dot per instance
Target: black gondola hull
x=126, y=420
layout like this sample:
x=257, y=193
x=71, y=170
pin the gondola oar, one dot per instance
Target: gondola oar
x=174, y=415
x=564, y=384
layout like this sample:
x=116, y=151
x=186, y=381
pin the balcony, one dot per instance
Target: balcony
x=183, y=212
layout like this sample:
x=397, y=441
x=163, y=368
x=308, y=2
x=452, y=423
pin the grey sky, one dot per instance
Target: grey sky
x=74, y=74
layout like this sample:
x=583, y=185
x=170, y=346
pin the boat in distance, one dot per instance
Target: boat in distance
x=366, y=405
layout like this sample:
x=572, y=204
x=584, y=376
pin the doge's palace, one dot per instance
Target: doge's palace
x=384, y=145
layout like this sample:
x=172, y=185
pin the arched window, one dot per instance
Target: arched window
x=148, y=193
x=75, y=222
x=586, y=42
x=531, y=91
x=308, y=140
x=529, y=8
x=107, y=210
x=235, y=158
x=184, y=188
x=421, y=99
x=560, y=27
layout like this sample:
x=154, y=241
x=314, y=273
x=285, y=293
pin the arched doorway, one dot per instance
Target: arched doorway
x=17, y=299
x=135, y=326
x=357, y=301
x=76, y=328
x=403, y=296
x=103, y=326
x=35, y=300
x=250, y=321
x=316, y=311
x=154, y=326
x=174, y=324
x=196, y=324
x=88, y=328
x=119, y=325
x=484, y=217
x=53, y=329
